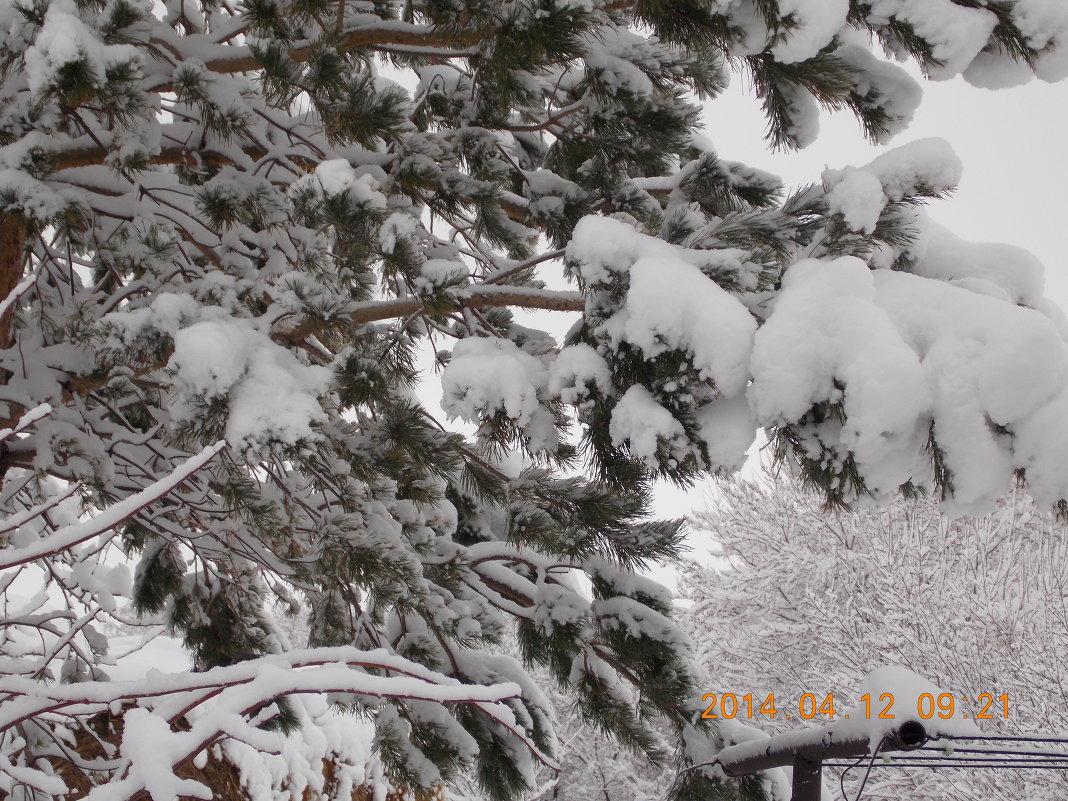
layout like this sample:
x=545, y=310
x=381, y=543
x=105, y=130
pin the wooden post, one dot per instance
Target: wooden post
x=808, y=779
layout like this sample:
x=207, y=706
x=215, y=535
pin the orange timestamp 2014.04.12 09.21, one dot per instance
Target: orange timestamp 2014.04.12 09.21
x=985, y=706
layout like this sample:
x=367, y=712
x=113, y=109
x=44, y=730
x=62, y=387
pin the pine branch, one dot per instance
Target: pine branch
x=476, y=297
x=385, y=36
x=76, y=533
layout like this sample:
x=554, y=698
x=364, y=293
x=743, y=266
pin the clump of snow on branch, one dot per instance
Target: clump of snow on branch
x=339, y=177
x=647, y=426
x=576, y=370
x=487, y=375
x=671, y=304
x=65, y=40
x=887, y=85
x=816, y=21
x=861, y=194
x=727, y=428
x=271, y=394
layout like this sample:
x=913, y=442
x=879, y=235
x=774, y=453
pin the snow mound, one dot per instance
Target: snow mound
x=905, y=689
x=487, y=375
x=924, y=167
x=904, y=355
x=272, y=395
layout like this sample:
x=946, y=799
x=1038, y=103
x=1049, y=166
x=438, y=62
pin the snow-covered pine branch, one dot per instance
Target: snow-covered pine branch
x=62, y=540
x=224, y=222
x=217, y=703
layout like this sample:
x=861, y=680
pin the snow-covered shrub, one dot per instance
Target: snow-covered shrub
x=804, y=600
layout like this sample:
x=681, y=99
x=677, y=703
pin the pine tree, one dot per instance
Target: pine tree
x=228, y=246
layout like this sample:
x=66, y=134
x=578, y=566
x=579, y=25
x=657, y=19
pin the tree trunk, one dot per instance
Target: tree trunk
x=12, y=258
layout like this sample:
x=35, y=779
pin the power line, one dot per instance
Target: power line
x=909, y=745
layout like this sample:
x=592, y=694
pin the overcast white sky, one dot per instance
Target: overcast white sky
x=1014, y=145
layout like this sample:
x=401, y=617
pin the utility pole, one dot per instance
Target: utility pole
x=805, y=751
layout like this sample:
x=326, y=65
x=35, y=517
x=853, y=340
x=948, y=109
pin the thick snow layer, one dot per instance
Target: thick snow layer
x=436, y=273
x=558, y=606
x=727, y=428
x=945, y=256
x=903, y=353
x=639, y=419
x=827, y=327
x=817, y=23
x=488, y=375
x=957, y=33
x=272, y=395
x=906, y=688
x=988, y=363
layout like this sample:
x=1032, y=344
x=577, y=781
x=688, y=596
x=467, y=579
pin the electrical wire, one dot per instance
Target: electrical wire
x=867, y=773
x=1059, y=739
x=947, y=764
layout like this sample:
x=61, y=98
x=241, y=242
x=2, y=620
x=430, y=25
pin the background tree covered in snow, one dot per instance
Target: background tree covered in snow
x=802, y=601
x=228, y=246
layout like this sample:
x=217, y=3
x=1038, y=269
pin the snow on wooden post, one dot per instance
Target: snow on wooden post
x=806, y=750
